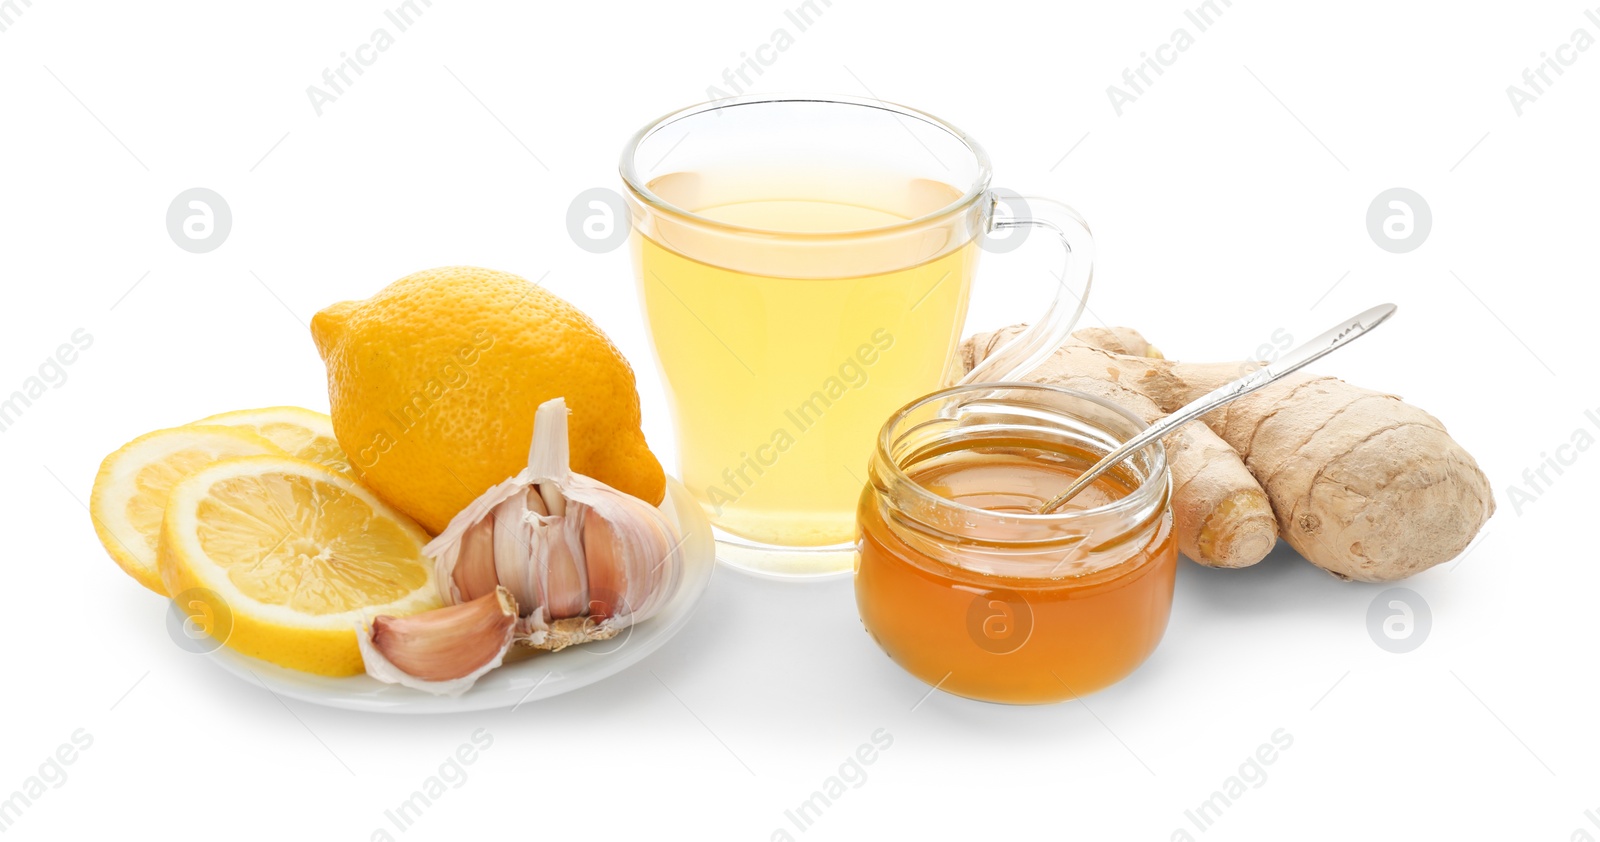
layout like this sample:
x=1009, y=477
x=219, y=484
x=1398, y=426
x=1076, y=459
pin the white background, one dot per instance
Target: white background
x=1228, y=201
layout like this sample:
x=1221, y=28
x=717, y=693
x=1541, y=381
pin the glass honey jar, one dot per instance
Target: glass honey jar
x=966, y=587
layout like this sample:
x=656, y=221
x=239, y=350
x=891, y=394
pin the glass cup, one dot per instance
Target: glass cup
x=968, y=588
x=804, y=266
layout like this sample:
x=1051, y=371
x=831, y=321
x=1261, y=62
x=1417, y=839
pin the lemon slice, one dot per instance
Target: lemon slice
x=130, y=491
x=295, y=556
x=302, y=433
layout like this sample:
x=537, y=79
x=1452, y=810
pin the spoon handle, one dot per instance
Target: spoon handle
x=1300, y=357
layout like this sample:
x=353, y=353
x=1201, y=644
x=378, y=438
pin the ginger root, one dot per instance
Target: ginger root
x=1361, y=484
x=1222, y=517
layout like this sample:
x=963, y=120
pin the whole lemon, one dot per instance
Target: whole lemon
x=434, y=381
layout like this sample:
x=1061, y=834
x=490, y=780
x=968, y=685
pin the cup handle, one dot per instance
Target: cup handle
x=1041, y=339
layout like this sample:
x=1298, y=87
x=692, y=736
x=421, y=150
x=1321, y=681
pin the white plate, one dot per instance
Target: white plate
x=533, y=677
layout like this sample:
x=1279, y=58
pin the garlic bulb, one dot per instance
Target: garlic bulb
x=579, y=559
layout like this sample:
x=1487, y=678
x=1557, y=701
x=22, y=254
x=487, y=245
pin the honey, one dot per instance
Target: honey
x=964, y=586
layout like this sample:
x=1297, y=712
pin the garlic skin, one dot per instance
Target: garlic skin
x=443, y=651
x=582, y=560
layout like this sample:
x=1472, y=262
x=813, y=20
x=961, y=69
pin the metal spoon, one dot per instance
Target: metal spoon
x=1293, y=361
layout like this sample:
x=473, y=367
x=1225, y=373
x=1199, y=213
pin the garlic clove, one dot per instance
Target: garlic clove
x=632, y=551
x=559, y=554
x=475, y=574
x=608, y=578
x=513, y=545
x=536, y=504
x=442, y=651
x=445, y=548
